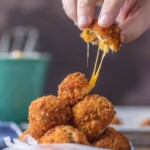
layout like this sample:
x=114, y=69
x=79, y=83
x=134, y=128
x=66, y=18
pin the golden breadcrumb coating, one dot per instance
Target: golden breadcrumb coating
x=145, y=122
x=116, y=121
x=92, y=115
x=106, y=38
x=47, y=112
x=64, y=134
x=31, y=132
x=113, y=139
x=73, y=88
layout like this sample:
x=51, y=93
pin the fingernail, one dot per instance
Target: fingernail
x=83, y=21
x=104, y=20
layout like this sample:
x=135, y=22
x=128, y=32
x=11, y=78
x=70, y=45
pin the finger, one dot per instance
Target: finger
x=85, y=12
x=134, y=26
x=125, y=9
x=109, y=12
x=70, y=7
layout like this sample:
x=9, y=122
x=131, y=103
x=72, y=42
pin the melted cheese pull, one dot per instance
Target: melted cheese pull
x=106, y=39
x=105, y=48
x=87, y=54
x=95, y=74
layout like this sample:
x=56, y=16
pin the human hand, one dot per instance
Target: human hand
x=131, y=15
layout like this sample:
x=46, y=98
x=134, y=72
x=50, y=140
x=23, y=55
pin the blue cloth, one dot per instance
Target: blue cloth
x=8, y=129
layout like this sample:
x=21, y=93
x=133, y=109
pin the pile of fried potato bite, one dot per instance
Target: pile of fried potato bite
x=74, y=116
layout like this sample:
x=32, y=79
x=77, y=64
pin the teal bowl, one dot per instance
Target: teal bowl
x=21, y=81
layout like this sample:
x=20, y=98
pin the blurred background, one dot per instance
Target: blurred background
x=42, y=26
x=125, y=76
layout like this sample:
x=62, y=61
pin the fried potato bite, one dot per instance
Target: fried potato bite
x=47, y=112
x=113, y=139
x=73, y=88
x=92, y=115
x=31, y=132
x=145, y=122
x=64, y=134
x=105, y=38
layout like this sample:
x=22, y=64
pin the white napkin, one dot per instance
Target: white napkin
x=30, y=143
